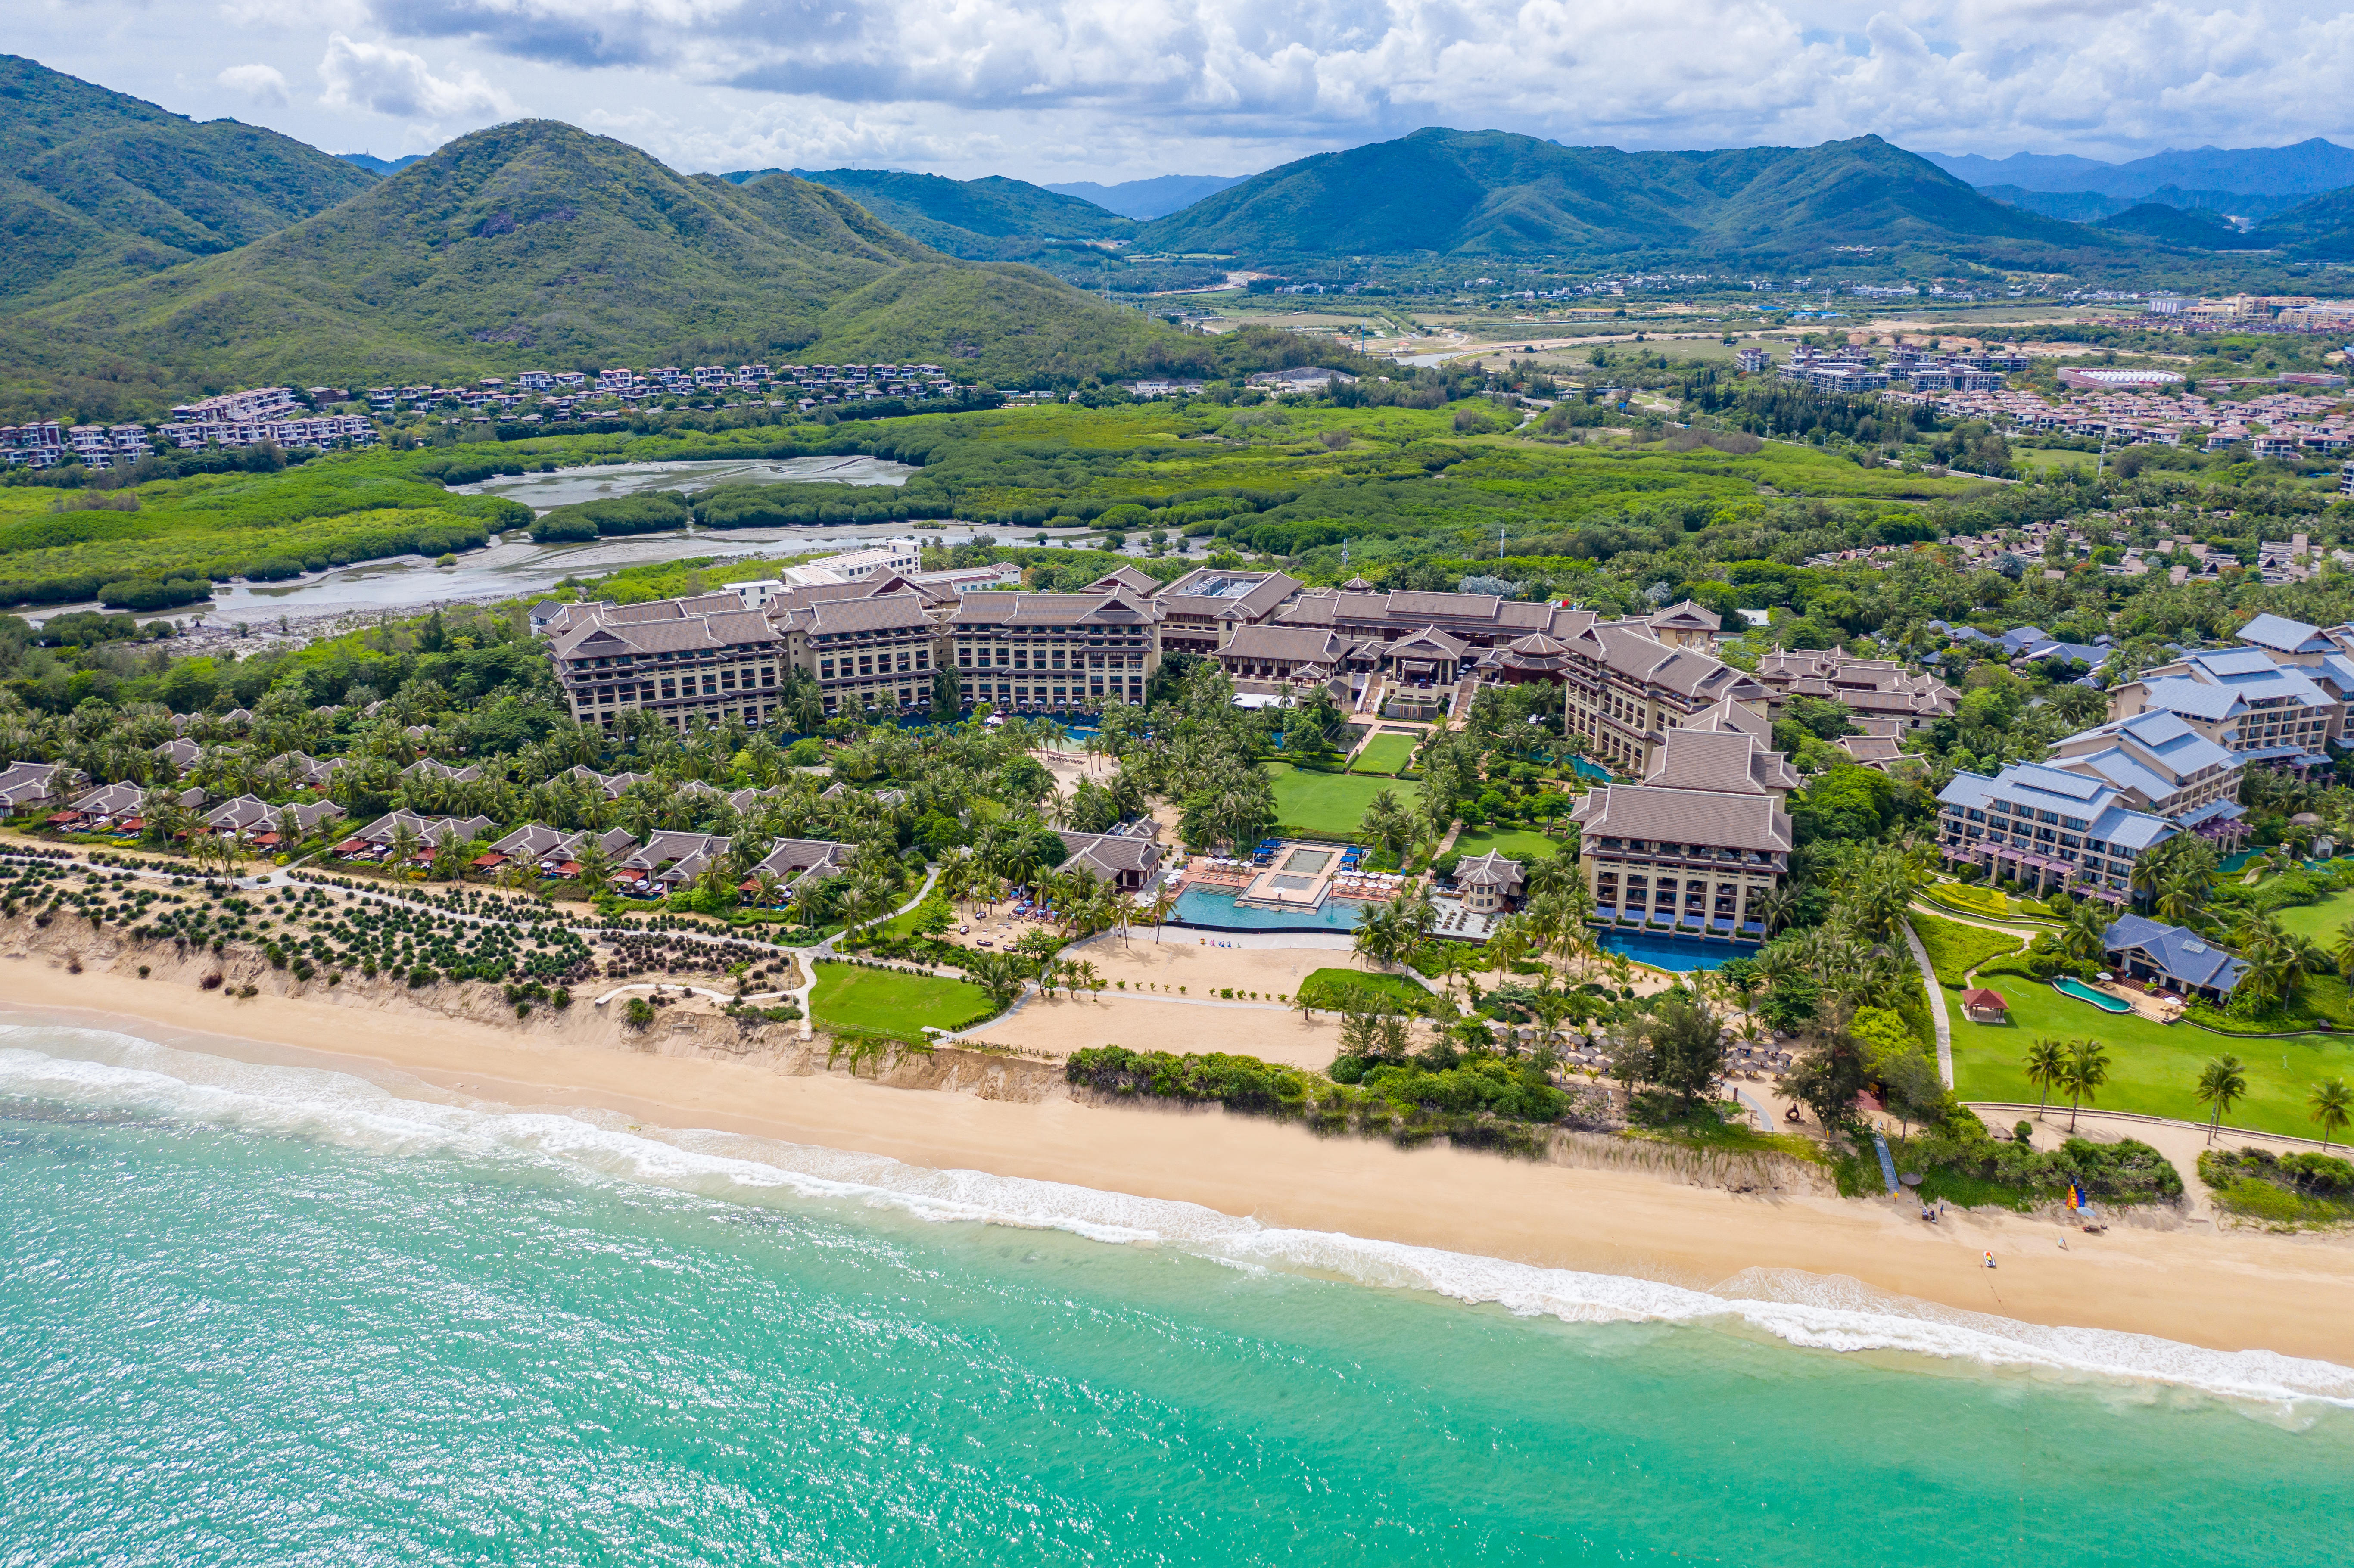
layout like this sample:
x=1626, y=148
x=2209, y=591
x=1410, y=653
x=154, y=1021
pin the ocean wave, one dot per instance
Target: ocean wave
x=102, y=1071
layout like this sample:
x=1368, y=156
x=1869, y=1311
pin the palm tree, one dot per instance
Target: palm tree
x=2086, y=934
x=2333, y=1106
x=2221, y=1082
x=2086, y=1069
x=2047, y=1068
x=2341, y=951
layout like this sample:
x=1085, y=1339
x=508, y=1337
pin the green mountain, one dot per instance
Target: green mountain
x=534, y=244
x=2188, y=228
x=982, y=220
x=101, y=187
x=2319, y=230
x=1493, y=193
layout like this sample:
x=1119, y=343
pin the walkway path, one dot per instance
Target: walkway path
x=1937, y=1014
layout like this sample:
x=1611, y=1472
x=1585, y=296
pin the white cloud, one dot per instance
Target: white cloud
x=1990, y=75
x=391, y=81
x=264, y=84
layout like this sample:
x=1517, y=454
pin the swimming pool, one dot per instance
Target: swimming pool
x=2068, y=985
x=1662, y=951
x=1310, y=860
x=1215, y=909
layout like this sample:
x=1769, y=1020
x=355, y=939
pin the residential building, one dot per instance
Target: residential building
x=2171, y=958
x=2242, y=701
x=24, y=784
x=1201, y=607
x=796, y=861
x=2163, y=767
x=374, y=840
x=1128, y=859
x=1868, y=688
x=2049, y=826
x=1698, y=846
x=707, y=661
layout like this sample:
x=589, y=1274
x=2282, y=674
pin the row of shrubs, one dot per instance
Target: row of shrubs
x=1480, y=1104
x=2284, y=1189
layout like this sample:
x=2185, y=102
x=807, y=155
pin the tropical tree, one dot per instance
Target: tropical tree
x=2332, y=1103
x=2084, y=936
x=2222, y=1083
x=2046, y=1066
x=1390, y=823
x=2086, y=1071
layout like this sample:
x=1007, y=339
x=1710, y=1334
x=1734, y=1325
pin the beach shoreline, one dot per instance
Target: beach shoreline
x=2230, y=1292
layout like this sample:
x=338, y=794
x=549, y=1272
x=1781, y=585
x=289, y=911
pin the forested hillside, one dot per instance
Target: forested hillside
x=98, y=186
x=1489, y=192
x=534, y=244
x=982, y=220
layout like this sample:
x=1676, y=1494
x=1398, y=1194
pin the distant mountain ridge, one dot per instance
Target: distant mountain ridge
x=101, y=187
x=1150, y=198
x=2305, y=168
x=380, y=166
x=992, y=218
x=535, y=244
x=1496, y=193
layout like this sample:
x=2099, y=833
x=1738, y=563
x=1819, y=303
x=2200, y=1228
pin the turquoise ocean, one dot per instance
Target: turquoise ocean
x=268, y=1315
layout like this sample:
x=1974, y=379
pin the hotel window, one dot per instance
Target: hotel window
x=826, y=669
x=866, y=665
x=669, y=688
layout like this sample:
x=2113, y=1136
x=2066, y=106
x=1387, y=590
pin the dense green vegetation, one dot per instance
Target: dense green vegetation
x=988, y=219
x=2280, y=1188
x=1495, y=193
x=532, y=244
x=102, y=187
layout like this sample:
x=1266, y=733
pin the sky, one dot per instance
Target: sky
x=1111, y=89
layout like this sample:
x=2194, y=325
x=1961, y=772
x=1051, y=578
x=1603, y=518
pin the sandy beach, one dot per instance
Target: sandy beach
x=2232, y=1290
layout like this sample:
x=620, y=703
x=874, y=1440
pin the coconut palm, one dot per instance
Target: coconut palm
x=2046, y=1067
x=2332, y=1103
x=2222, y=1083
x=2083, y=1073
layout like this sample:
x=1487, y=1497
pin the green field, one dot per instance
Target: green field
x=885, y=1002
x=1327, y=988
x=1520, y=844
x=2153, y=1068
x=1386, y=753
x=1956, y=948
x=1328, y=805
x=2318, y=922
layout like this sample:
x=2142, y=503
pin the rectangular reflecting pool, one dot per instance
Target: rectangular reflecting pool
x=1215, y=909
x=1681, y=954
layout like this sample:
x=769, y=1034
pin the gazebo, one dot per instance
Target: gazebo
x=1980, y=1005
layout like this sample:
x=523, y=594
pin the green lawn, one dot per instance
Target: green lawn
x=884, y=1001
x=1956, y=948
x=1520, y=844
x=1328, y=805
x=2153, y=1067
x=1327, y=987
x=2318, y=922
x=1385, y=754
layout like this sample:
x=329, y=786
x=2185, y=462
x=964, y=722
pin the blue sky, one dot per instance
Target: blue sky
x=1068, y=89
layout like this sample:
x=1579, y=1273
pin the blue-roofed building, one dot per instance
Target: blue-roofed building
x=2240, y=698
x=2049, y=827
x=2324, y=656
x=2164, y=767
x=2171, y=957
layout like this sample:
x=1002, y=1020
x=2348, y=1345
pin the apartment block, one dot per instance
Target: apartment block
x=2164, y=767
x=1054, y=650
x=2049, y=826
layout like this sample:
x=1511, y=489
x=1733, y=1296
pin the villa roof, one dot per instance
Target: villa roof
x=1646, y=812
x=2174, y=951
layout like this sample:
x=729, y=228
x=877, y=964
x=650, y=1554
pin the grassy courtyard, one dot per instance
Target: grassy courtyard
x=2153, y=1067
x=885, y=1002
x=1520, y=844
x=1385, y=754
x=1328, y=805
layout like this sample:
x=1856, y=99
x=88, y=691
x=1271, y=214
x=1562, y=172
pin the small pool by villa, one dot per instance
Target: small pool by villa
x=2068, y=985
x=1662, y=951
x=1215, y=909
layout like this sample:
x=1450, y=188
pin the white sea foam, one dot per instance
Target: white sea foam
x=102, y=1071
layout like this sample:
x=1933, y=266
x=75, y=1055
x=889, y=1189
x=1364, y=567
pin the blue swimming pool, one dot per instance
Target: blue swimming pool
x=1662, y=951
x=1215, y=909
